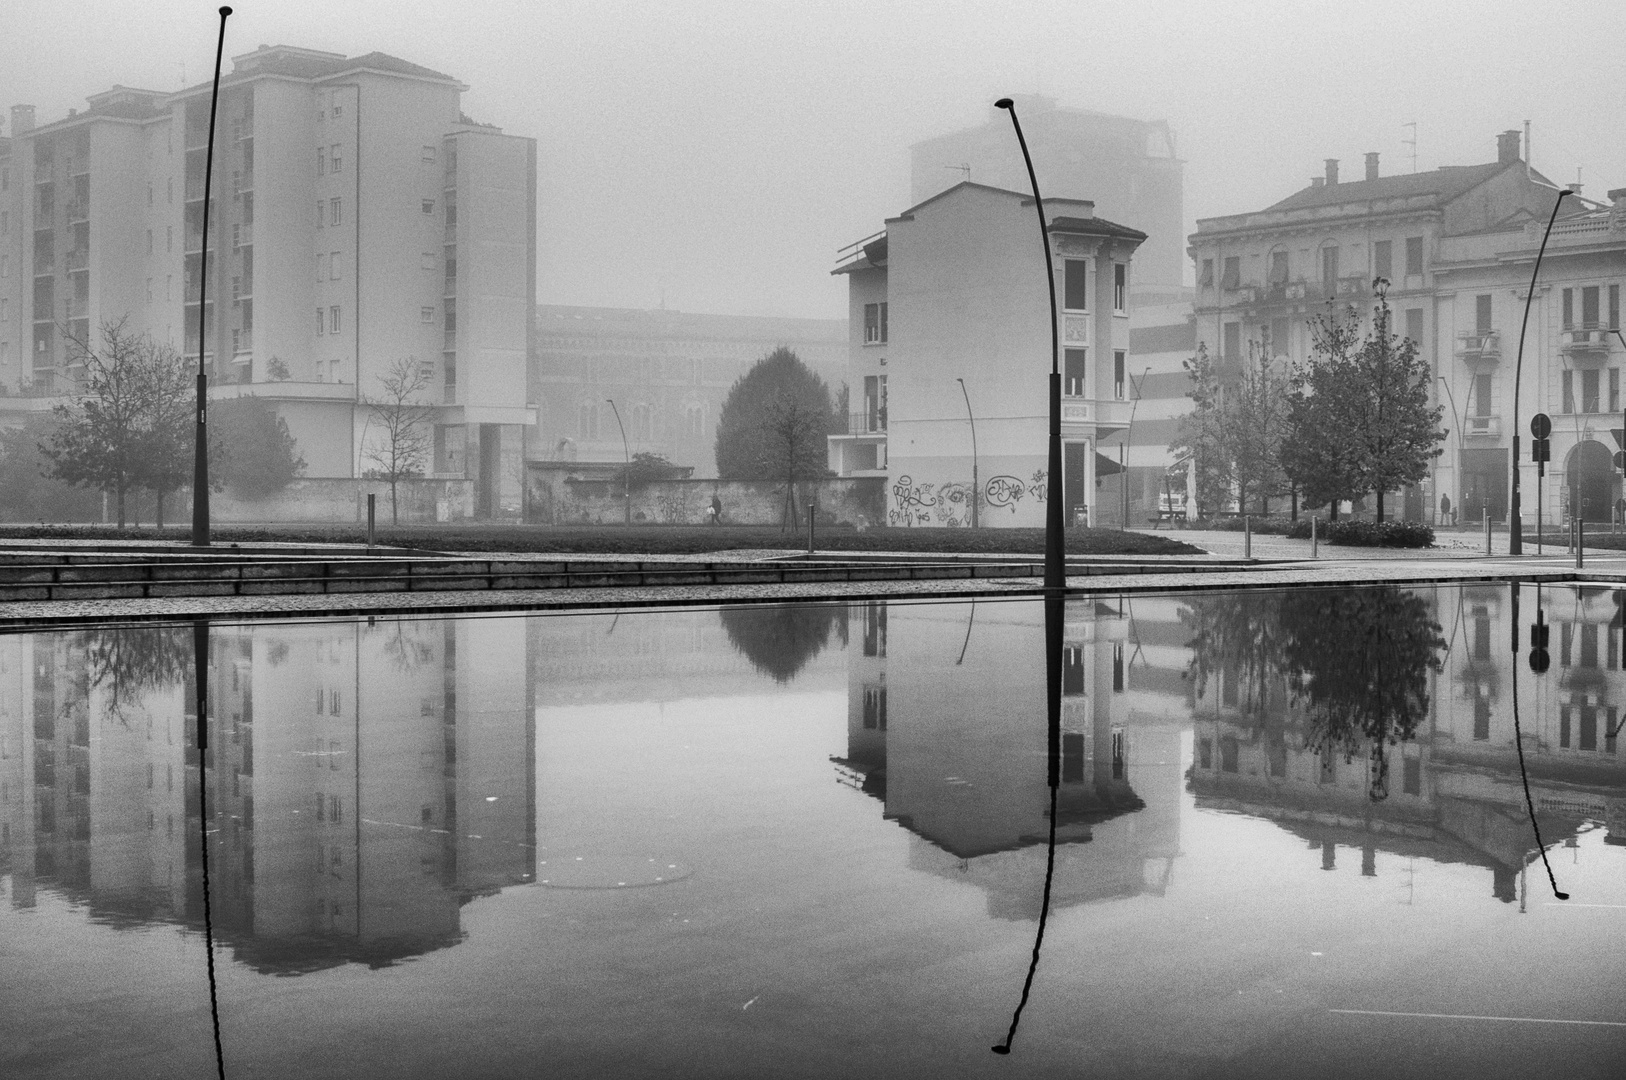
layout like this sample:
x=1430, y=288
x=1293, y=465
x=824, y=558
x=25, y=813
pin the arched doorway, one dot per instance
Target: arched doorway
x=1589, y=474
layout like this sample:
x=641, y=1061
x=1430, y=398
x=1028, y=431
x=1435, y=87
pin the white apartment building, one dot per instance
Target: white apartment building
x=358, y=217
x=949, y=330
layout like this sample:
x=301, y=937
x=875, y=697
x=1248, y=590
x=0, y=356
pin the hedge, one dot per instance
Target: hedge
x=1357, y=533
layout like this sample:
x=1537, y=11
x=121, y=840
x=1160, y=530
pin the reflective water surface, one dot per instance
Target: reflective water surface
x=1292, y=838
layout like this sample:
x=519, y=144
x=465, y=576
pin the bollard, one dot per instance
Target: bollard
x=811, y=510
x=1315, y=542
x=1580, y=540
x=1247, y=537
x=1487, y=533
x=372, y=507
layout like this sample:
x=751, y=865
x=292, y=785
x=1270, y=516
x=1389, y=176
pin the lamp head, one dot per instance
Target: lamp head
x=1004, y=103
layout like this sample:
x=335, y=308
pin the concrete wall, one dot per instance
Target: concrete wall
x=345, y=502
x=554, y=499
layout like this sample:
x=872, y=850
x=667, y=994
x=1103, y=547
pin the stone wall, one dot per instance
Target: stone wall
x=554, y=498
x=343, y=501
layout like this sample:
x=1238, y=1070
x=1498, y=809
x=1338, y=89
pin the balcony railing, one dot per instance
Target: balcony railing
x=866, y=423
x=1587, y=341
x=1484, y=427
x=1479, y=346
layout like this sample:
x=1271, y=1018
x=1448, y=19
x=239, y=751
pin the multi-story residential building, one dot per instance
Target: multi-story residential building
x=1573, y=355
x=667, y=372
x=1128, y=168
x=949, y=333
x=1262, y=276
x=358, y=218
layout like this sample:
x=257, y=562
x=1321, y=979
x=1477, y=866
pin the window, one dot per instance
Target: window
x=335, y=266
x=1120, y=360
x=1278, y=267
x=426, y=314
x=169, y=287
x=321, y=268
x=1205, y=279
x=1278, y=337
x=1414, y=325
x=426, y=261
x=1614, y=307
x=429, y=206
x=1589, y=307
x=149, y=290
x=1414, y=255
x=875, y=707
x=1233, y=342
x=1075, y=285
x=1569, y=308
x=321, y=161
x=1075, y=362
x=333, y=703
x=1120, y=287
x=883, y=321
x=1589, y=390
x=333, y=159
x=1232, y=277
x=694, y=421
x=321, y=216
x=333, y=319
x=1412, y=776
x=1383, y=259
x=1072, y=671
x=338, y=110
x=321, y=323
x=333, y=211
x=587, y=420
x=1614, y=389
x=1569, y=391
x=428, y=154
x=1329, y=265
x=872, y=324
x=1482, y=314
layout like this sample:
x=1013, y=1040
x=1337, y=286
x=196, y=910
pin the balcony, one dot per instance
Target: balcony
x=866, y=423
x=1352, y=286
x=1478, y=346
x=1586, y=344
x=1098, y=411
x=1483, y=427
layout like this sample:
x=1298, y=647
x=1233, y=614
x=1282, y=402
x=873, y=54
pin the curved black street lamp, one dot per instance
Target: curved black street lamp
x=626, y=473
x=200, y=448
x=1515, y=527
x=976, y=492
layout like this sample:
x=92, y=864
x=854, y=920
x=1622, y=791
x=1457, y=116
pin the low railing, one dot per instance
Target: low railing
x=866, y=423
x=1587, y=339
x=1478, y=345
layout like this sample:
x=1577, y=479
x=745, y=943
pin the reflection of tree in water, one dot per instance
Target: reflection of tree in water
x=1355, y=660
x=132, y=661
x=405, y=644
x=779, y=639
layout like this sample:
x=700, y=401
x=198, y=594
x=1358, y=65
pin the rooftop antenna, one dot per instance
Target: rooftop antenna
x=964, y=169
x=1527, y=165
x=1411, y=142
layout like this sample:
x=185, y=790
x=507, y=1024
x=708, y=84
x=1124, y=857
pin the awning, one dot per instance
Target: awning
x=1105, y=466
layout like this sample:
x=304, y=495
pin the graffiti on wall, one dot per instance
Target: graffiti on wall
x=1004, y=492
x=1039, y=488
x=912, y=503
x=673, y=509
x=954, y=504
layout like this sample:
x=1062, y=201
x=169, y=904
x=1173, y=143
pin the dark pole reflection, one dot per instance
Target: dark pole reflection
x=200, y=670
x=1054, y=622
x=1518, y=743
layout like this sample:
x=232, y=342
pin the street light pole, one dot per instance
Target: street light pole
x=976, y=491
x=1515, y=527
x=1055, y=557
x=200, y=441
x=1129, y=432
x=626, y=472
x=1456, y=426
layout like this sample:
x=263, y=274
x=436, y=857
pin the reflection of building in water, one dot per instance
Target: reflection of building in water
x=1453, y=792
x=366, y=780
x=946, y=725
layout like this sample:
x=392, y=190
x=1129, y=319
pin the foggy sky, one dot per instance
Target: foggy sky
x=717, y=153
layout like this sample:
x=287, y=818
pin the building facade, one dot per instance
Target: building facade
x=358, y=218
x=667, y=373
x=950, y=357
x=1263, y=276
x=1128, y=168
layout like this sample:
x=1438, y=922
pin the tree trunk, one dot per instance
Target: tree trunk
x=160, y=494
x=1334, y=505
x=395, y=513
x=1380, y=507
x=120, y=491
x=1295, y=510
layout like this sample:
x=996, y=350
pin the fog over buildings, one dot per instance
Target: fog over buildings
x=715, y=154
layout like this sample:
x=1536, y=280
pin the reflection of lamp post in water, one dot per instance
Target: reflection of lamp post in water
x=976, y=492
x=626, y=472
x=1123, y=447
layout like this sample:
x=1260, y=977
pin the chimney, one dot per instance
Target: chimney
x=1507, y=147
x=1576, y=187
x=1372, y=166
x=1617, y=196
x=1318, y=181
x=22, y=119
x=1332, y=171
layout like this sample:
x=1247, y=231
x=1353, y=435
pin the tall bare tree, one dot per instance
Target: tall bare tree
x=793, y=439
x=128, y=425
x=406, y=424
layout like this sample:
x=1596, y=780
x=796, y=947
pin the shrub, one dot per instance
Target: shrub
x=1262, y=526
x=1356, y=533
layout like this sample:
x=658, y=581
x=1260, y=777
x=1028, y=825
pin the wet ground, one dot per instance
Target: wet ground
x=1292, y=835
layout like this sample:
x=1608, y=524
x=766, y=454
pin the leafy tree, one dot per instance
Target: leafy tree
x=251, y=448
x=1360, y=418
x=773, y=423
x=126, y=426
x=1236, y=429
x=649, y=468
x=27, y=490
x=406, y=427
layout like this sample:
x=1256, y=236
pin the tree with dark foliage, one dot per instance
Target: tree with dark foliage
x=773, y=425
